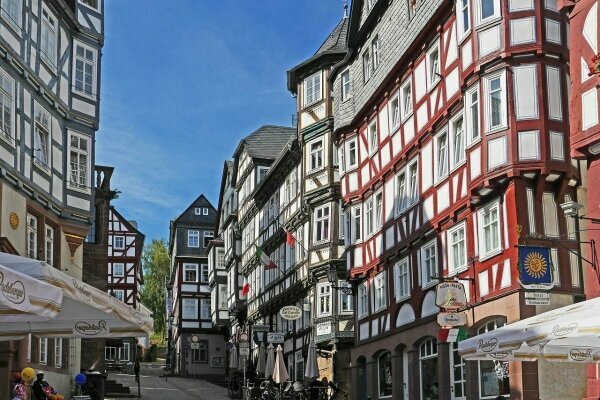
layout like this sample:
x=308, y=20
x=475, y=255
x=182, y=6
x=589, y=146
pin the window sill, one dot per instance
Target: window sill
x=315, y=171
x=41, y=166
x=90, y=96
x=482, y=25
x=429, y=284
x=78, y=189
x=473, y=142
x=491, y=254
x=491, y=131
x=17, y=30
x=403, y=298
x=460, y=270
x=48, y=63
x=458, y=165
x=8, y=140
x=311, y=104
x=464, y=37
x=373, y=153
x=407, y=116
x=433, y=85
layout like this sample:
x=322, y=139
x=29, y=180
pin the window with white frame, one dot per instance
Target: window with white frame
x=7, y=113
x=312, y=89
x=119, y=242
x=367, y=66
x=41, y=137
x=406, y=99
x=323, y=299
x=341, y=158
x=490, y=385
x=12, y=12
x=204, y=210
x=363, y=300
x=372, y=136
x=197, y=211
x=356, y=228
x=32, y=224
x=49, y=244
x=369, y=217
x=208, y=236
x=495, y=94
x=394, y=112
x=376, y=51
x=49, y=31
x=429, y=268
x=200, y=355
x=428, y=368
x=84, y=69
x=79, y=148
x=193, y=238
x=223, y=297
x=95, y=4
x=488, y=218
x=441, y=155
x=457, y=372
x=189, y=308
x=322, y=222
x=463, y=18
x=261, y=174
x=190, y=272
x=457, y=248
x=118, y=269
x=457, y=141
x=58, y=349
x=221, y=258
x=433, y=65
x=402, y=279
x=385, y=378
x=43, y=350
x=472, y=112
x=125, y=352
x=346, y=85
x=346, y=300
x=378, y=211
x=204, y=308
x=413, y=183
x=316, y=155
x=118, y=294
x=204, y=273
x=352, y=156
x=400, y=200
x=380, y=284
x=487, y=10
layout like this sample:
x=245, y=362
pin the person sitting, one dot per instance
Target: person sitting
x=43, y=391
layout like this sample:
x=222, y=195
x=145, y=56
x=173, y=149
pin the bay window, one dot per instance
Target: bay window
x=495, y=94
x=489, y=229
x=487, y=10
x=79, y=149
x=352, y=157
x=457, y=142
x=346, y=300
x=316, y=155
x=472, y=113
x=312, y=89
x=189, y=308
x=369, y=217
x=462, y=17
x=428, y=263
x=323, y=299
x=322, y=221
x=356, y=227
x=84, y=70
x=457, y=249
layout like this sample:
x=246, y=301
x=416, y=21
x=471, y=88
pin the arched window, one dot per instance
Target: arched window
x=428, y=365
x=493, y=375
x=385, y=374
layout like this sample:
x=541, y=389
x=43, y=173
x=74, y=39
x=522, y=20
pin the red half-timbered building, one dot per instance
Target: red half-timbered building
x=451, y=119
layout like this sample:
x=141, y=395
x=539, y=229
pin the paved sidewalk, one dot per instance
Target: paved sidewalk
x=154, y=387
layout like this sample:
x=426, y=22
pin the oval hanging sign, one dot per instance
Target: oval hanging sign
x=290, y=313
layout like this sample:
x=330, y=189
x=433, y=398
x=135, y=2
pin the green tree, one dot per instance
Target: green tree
x=155, y=259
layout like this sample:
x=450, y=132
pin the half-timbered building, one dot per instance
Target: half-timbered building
x=199, y=347
x=453, y=138
x=217, y=280
x=49, y=97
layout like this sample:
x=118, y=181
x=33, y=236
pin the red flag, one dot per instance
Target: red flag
x=290, y=239
x=246, y=287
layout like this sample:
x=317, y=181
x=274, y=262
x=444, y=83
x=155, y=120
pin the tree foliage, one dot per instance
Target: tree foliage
x=156, y=265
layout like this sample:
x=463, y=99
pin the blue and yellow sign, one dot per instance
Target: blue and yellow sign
x=535, y=265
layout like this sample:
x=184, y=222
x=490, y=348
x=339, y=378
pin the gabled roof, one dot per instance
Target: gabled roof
x=188, y=216
x=266, y=142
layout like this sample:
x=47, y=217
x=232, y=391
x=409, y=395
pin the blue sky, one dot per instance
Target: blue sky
x=183, y=81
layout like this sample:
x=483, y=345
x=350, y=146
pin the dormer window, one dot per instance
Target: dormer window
x=312, y=89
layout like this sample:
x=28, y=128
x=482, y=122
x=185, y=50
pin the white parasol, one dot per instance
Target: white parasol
x=280, y=373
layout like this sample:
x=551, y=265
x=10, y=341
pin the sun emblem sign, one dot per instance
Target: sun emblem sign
x=535, y=265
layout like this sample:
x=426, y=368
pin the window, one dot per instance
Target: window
x=204, y=210
x=204, y=273
x=118, y=294
x=262, y=173
x=363, y=300
x=200, y=355
x=472, y=111
x=495, y=102
x=32, y=249
x=324, y=299
x=401, y=200
x=221, y=258
x=346, y=85
x=433, y=65
x=462, y=17
x=356, y=228
x=223, y=296
x=84, y=70
x=428, y=366
x=193, y=238
x=457, y=142
x=402, y=279
x=380, y=292
x=346, y=300
x=352, y=158
x=49, y=244
x=125, y=352
x=58, y=348
x=376, y=48
x=490, y=385
x=197, y=211
x=91, y=3
x=489, y=229
x=118, y=269
x=12, y=12
x=299, y=366
x=322, y=223
x=43, y=350
x=394, y=112
x=429, y=268
x=78, y=161
x=441, y=152
x=190, y=272
x=385, y=374
x=316, y=155
x=457, y=372
x=189, y=308
x=6, y=105
x=208, y=236
x=119, y=242
x=372, y=134
x=406, y=99
x=367, y=66
x=41, y=138
x=312, y=92
x=369, y=217
x=487, y=10
x=413, y=183
x=48, y=37
x=457, y=249
x=378, y=211
x=205, y=308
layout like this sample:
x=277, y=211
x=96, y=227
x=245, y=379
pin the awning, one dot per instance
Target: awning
x=570, y=333
x=85, y=311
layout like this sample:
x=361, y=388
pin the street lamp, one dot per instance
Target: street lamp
x=332, y=276
x=571, y=209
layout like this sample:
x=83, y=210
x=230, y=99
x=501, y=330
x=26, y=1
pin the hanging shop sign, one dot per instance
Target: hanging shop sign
x=535, y=267
x=446, y=319
x=537, y=298
x=324, y=328
x=290, y=313
x=243, y=337
x=450, y=295
x=275, y=337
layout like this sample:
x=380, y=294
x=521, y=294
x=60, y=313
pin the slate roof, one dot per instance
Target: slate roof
x=266, y=142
